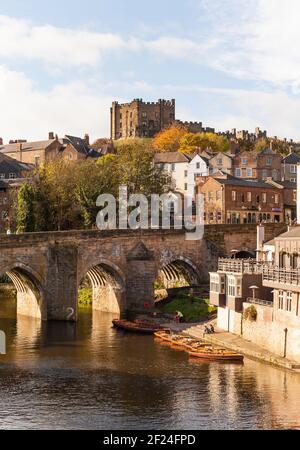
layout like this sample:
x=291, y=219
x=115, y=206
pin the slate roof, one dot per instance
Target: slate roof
x=11, y=165
x=232, y=181
x=293, y=233
x=26, y=146
x=171, y=157
x=292, y=158
x=79, y=144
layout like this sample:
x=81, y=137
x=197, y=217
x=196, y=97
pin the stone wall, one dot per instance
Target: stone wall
x=271, y=335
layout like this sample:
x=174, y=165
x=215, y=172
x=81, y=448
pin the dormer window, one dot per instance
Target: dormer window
x=12, y=176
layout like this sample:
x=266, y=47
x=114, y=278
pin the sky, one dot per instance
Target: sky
x=228, y=63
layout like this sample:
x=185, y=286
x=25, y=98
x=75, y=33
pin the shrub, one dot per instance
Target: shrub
x=250, y=314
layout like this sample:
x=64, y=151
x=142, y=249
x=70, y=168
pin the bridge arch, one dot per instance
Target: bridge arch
x=30, y=290
x=178, y=271
x=108, y=286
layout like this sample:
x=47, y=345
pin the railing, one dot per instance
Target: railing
x=240, y=265
x=284, y=276
x=258, y=301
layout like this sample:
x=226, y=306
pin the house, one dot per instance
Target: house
x=10, y=169
x=184, y=169
x=289, y=189
x=228, y=199
x=221, y=161
x=289, y=167
x=259, y=298
x=38, y=152
x=260, y=166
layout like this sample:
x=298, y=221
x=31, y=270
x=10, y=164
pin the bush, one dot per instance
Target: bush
x=85, y=297
x=250, y=314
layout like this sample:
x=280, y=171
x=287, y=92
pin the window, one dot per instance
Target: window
x=144, y=115
x=4, y=215
x=244, y=161
x=264, y=174
x=5, y=201
x=211, y=216
x=185, y=173
x=293, y=168
x=2, y=176
x=185, y=186
x=219, y=161
x=269, y=160
x=233, y=196
x=197, y=165
x=121, y=125
x=144, y=124
x=219, y=216
x=264, y=197
x=214, y=283
x=249, y=197
x=231, y=286
x=257, y=199
x=289, y=297
x=293, y=180
x=276, y=198
x=173, y=167
x=275, y=175
x=249, y=173
x=295, y=195
x=280, y=299
x=237, y=172
x=12, y=176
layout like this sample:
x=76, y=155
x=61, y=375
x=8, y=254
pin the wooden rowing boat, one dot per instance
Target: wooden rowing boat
x=135, y=327
x=216, y=354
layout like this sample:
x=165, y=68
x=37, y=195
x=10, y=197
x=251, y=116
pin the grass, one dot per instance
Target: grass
x=85, y=297
x=194, y=309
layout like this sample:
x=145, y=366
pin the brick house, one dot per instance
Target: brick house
x=253, y=165
x=38, y=152
x=231, y=200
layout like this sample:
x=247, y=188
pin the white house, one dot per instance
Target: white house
x=198, y=167
x=176, y=164
x=183, y=169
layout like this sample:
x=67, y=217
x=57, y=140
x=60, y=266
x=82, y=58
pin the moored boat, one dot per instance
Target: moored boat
x=136, y=327
x=217, y=354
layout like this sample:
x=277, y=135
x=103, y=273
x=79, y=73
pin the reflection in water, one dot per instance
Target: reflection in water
x=89, y=375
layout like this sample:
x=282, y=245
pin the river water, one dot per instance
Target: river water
x=91, y=376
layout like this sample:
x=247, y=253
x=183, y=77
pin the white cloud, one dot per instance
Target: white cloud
x=29, y=113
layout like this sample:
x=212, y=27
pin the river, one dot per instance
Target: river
x=91, y=376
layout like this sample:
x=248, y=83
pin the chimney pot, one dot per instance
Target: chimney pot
x=51, y=135
x=87, y=139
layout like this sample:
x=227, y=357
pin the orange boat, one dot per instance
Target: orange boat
x=217, y=354
x=134, y=327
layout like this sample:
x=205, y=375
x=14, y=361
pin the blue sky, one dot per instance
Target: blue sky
x=228, y=63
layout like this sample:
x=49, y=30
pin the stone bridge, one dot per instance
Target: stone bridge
x=122, y=266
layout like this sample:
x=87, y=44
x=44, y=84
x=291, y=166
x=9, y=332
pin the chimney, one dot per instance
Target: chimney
x=1, y=141
x=87, y=139
x=260, y=240
x=51, y=135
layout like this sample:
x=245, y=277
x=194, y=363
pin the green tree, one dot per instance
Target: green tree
x=191, y=142
x=25, y=209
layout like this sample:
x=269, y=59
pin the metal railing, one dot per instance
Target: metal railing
x=280, y=275
x=258, y=301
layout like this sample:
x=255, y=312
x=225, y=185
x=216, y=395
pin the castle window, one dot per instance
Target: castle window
x=156, y=115
x=144, y=115
x=144, y=124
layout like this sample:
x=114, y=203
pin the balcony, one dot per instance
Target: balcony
x=279, y=276
x=258, y=301
x=240, y=266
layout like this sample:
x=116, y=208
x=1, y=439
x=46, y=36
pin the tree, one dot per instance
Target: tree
x=25, y=211
x=191, y=142
x=168, y=140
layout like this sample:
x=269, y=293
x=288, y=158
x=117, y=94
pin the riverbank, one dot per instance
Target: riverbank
x=240, y=345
